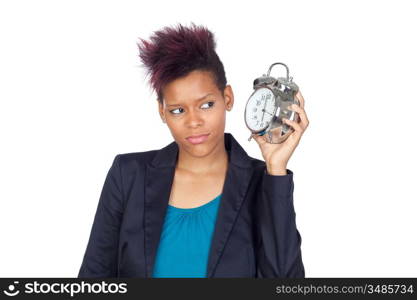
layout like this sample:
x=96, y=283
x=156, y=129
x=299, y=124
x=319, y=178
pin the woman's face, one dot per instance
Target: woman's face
x=193, y=105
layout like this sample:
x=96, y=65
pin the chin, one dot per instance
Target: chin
x=200, y=150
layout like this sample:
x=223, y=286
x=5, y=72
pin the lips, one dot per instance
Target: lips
x=198, y=139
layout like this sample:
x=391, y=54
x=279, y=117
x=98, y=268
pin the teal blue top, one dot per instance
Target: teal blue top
x=185, y=241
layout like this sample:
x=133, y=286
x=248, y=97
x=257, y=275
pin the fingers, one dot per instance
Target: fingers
x=295, y=125
x=300, y=98
x=301, y=112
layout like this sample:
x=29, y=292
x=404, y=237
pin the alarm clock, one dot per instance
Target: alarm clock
x=268, y=105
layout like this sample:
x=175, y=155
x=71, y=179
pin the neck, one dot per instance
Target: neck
x=214, y=161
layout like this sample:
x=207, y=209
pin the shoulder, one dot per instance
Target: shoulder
x=136, y=157
x=257, y=165
x=133, y=160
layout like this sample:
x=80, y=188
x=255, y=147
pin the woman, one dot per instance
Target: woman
x=199, y=207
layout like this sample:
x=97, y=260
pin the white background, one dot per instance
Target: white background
x=73, y=96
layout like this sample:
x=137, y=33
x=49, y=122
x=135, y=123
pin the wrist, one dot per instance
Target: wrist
x=276, y=170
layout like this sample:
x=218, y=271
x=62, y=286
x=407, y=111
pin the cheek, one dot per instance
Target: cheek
x=218, y=119
x=175, y=127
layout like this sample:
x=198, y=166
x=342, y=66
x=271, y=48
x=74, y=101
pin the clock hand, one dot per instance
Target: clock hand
x=267, y=112
x=263, y=111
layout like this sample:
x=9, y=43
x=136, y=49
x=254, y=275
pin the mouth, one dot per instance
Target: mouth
x=197, y=139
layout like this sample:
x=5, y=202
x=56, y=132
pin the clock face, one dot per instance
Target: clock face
x=260, y=109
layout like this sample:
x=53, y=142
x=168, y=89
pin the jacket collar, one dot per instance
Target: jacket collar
x=158, y=182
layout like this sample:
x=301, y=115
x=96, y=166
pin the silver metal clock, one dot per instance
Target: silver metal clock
x=268, y=105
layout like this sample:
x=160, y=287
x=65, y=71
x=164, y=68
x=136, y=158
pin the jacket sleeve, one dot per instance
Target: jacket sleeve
x=100, y=258
x=279, y=242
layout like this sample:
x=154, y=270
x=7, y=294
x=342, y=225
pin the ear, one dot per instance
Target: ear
x=161, y=110
x=228, y=97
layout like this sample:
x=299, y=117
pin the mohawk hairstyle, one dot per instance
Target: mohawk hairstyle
x=173, y=52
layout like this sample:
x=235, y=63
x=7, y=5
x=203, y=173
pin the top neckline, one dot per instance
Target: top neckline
x=191, y=209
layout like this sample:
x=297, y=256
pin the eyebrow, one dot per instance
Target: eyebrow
x=199, y=99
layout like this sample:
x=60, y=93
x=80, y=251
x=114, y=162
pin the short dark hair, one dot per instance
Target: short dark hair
x=174, y=52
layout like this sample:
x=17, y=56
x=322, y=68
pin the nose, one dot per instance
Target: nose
x=194, y=119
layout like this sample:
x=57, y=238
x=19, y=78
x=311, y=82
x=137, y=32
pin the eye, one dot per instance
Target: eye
x=173, y=111
x=212, y=103
x=177, y=110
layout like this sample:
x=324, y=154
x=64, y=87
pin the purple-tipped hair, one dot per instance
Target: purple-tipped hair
x=173, y=52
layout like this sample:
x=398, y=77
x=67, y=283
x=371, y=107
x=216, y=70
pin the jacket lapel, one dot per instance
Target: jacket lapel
x=159, y=178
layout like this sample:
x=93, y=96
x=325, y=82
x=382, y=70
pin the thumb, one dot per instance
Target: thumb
x=259, y=139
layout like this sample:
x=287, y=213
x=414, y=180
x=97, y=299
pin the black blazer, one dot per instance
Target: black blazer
x=255, y=232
